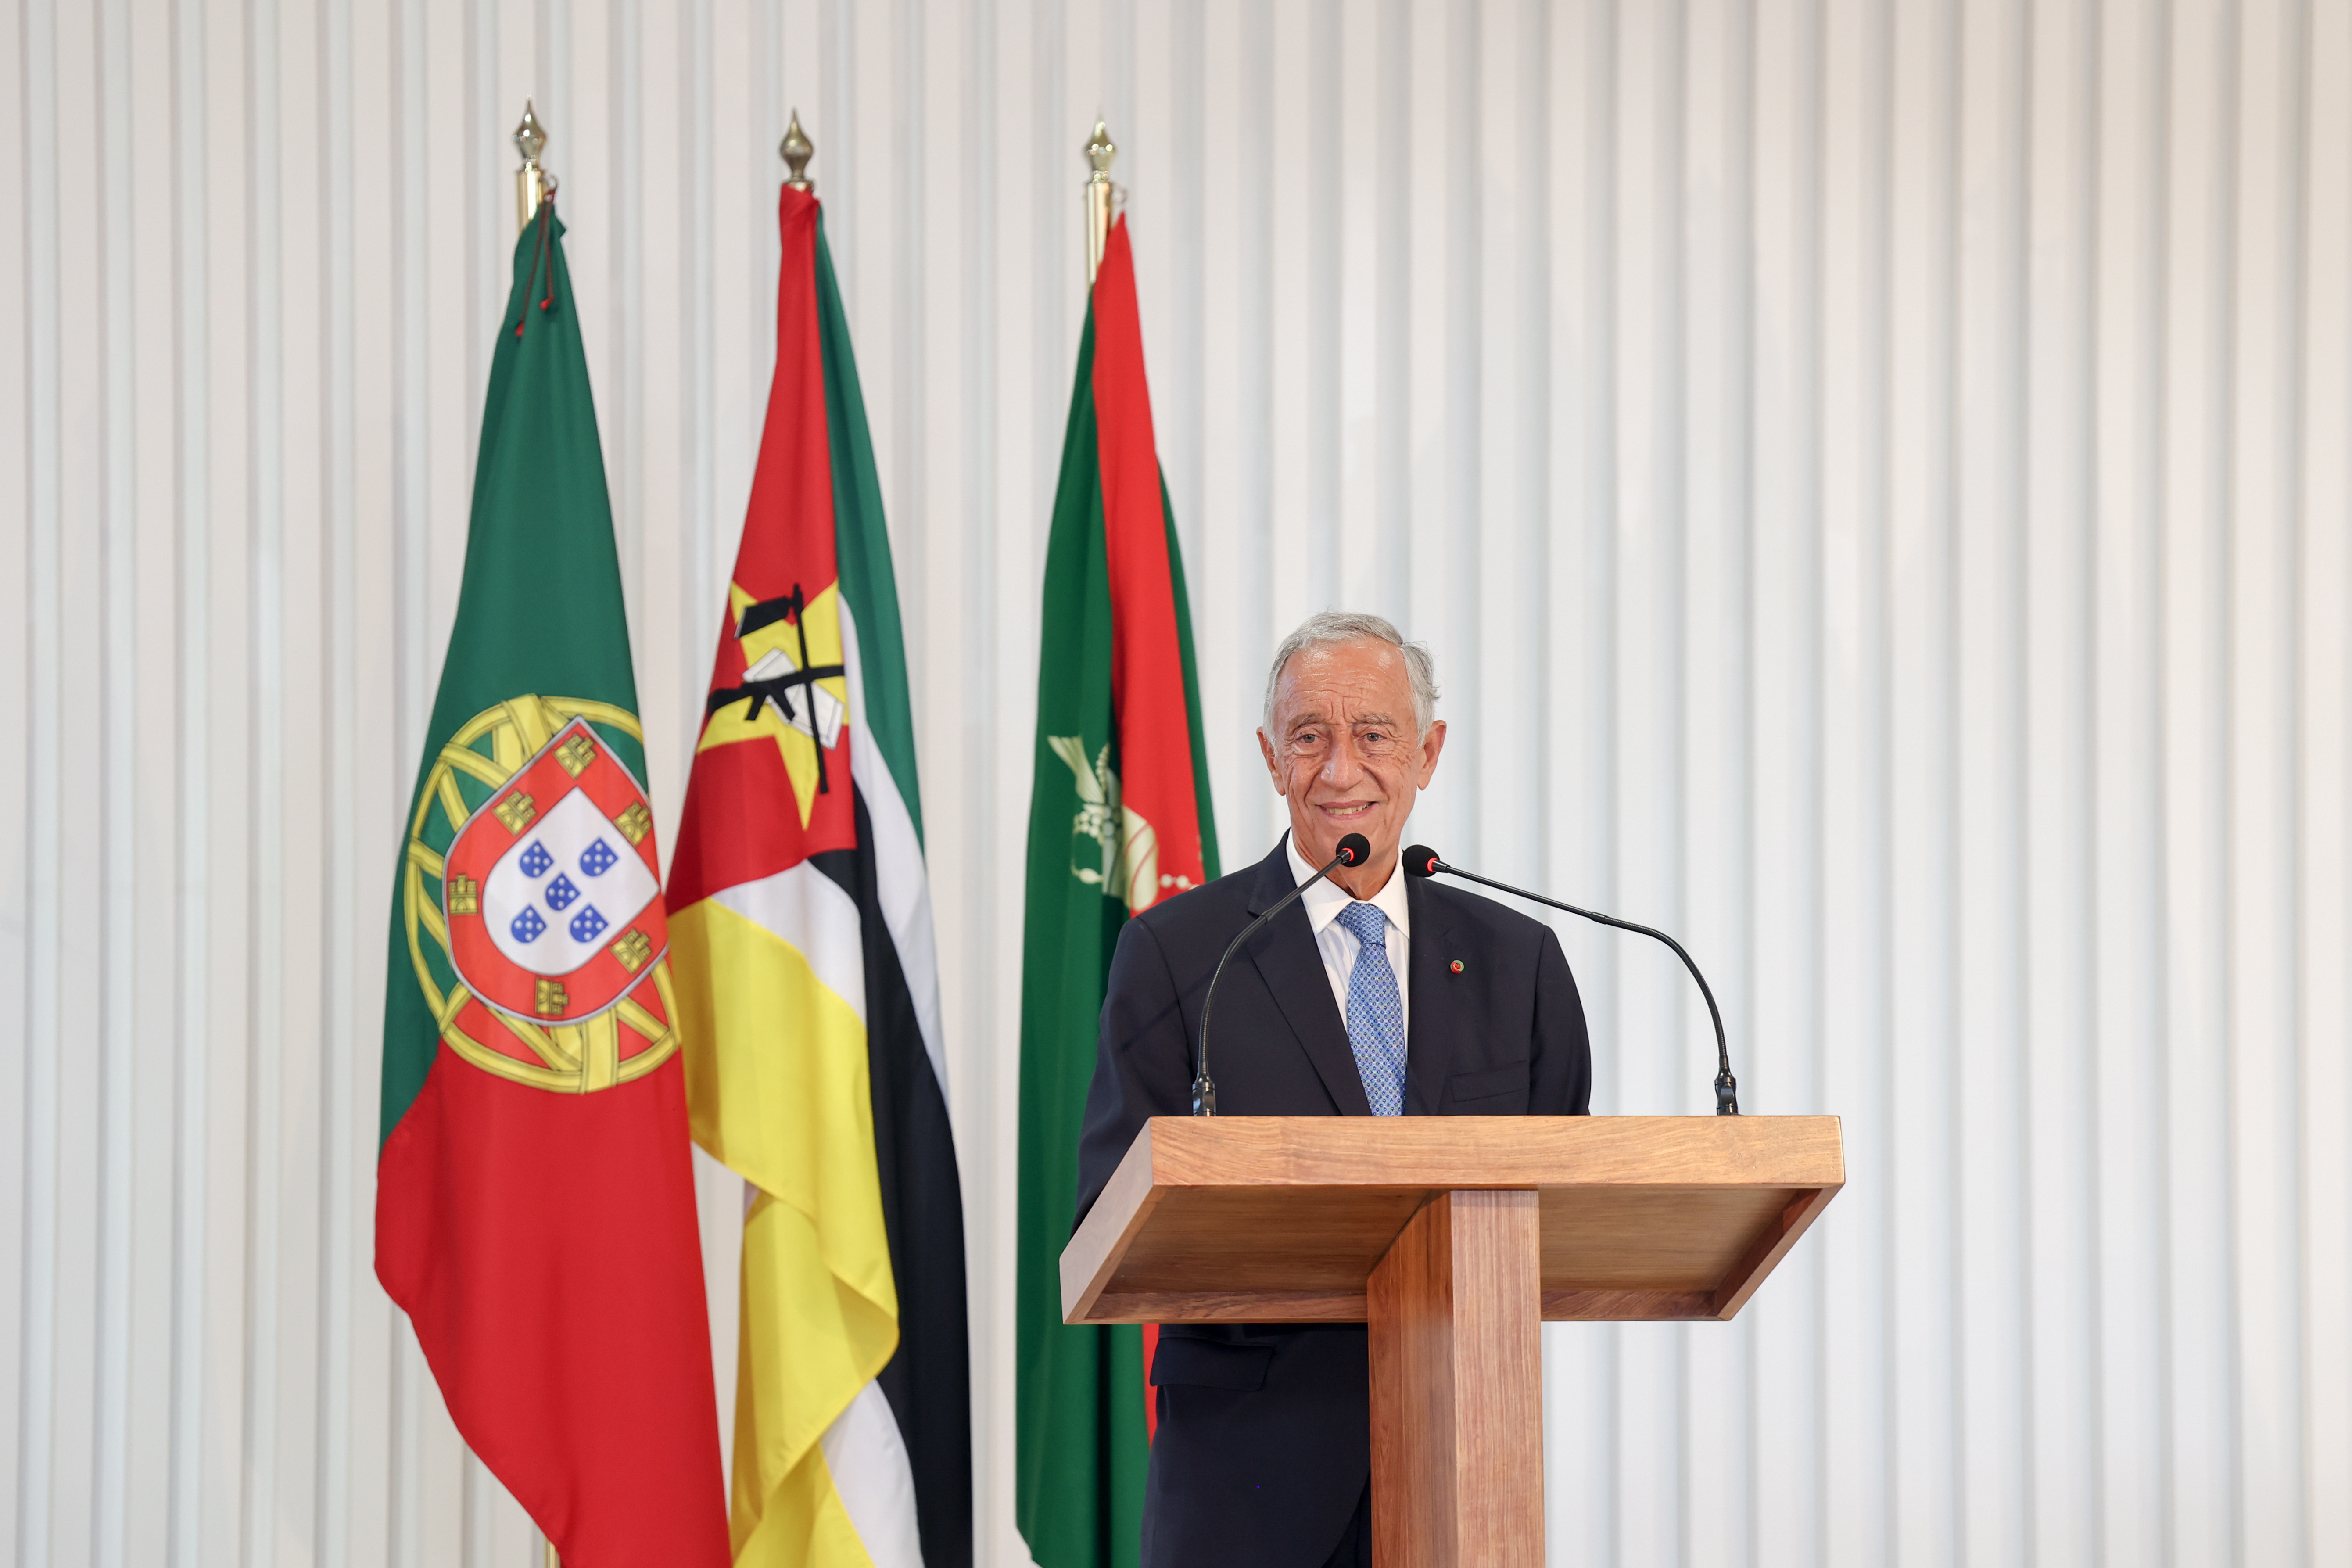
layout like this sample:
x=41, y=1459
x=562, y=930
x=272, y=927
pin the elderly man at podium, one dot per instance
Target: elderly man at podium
x=1374, y=993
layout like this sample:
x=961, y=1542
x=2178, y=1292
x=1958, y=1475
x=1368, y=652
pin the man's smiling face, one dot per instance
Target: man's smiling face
x=1344, y=754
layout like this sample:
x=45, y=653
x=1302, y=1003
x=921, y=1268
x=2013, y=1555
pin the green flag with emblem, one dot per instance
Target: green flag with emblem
x=1119, y=820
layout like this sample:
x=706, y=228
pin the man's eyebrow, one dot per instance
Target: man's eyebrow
x=1300, y=721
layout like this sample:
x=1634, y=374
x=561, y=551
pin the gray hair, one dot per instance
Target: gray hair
x=1329, y=628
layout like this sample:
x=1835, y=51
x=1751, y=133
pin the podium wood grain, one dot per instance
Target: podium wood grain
x=1282, y=1219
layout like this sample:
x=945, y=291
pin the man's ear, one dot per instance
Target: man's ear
x=1265, y=749
x=1431, y=745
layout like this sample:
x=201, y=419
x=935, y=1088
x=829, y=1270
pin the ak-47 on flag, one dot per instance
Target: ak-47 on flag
x=534, y=1189
x=1119, y=820
x=808, y=992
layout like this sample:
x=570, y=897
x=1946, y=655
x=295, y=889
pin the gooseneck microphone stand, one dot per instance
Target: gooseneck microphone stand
x=1421, y=860
x=1354, y=850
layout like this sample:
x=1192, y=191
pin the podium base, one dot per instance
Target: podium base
x=1455, y=1310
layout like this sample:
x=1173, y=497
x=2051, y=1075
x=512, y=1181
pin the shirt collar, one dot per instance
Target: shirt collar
x=1326, y=898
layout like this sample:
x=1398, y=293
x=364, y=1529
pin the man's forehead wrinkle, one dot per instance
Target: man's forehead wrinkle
x=1325, y=689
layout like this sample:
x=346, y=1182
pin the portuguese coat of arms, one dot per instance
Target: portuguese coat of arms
x=545, y=953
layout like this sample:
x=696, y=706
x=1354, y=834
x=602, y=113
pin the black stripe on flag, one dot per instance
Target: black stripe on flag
x=929, y=1380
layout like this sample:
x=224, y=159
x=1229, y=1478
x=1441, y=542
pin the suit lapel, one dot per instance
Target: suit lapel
x=1430, y=1019
x=1287, y=960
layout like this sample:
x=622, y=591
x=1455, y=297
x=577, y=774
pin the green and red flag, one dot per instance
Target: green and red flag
x=534, y=1212
x=808, y=986
x=1118, y=819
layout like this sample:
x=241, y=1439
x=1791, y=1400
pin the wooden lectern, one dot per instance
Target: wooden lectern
x=1452, y=1236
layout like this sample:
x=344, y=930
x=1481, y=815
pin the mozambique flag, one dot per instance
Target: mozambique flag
x=808, y=989
x=534, y=1207
x=1118, y=819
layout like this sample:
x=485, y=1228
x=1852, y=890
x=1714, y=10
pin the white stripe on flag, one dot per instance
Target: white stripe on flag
x=901, y=880
x=815, y=915
x=867, y=1457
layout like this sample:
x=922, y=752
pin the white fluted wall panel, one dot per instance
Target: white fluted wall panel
x=1877, y=478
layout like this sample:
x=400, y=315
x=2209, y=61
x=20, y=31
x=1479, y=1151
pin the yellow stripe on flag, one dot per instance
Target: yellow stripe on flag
x=776, y=1080
x=792, y=1344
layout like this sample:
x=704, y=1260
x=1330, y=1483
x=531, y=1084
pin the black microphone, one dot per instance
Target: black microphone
x=1421, y=860
x=1354, y=850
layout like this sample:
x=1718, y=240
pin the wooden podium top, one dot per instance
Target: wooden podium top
x=1281, y=1218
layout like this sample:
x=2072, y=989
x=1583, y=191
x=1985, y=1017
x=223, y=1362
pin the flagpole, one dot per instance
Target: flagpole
x=796, y=150
x=534, y=185
x=531, y=187
x=1100, y=151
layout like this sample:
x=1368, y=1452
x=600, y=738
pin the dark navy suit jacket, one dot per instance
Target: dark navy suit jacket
x=1265, y=1441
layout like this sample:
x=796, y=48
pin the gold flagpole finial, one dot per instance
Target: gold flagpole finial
x=796, y=150
x=1100, y=151
x=534, y=185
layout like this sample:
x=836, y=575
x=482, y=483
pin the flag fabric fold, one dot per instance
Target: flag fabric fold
x=808, y=995
x=534, y=1211
x=1119, y=818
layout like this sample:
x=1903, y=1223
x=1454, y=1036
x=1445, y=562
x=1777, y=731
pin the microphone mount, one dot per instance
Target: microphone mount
x=1422, y=861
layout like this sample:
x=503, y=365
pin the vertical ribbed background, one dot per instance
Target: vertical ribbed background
x=1877, y=478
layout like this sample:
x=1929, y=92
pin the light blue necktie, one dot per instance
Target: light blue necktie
x=1375, y=1011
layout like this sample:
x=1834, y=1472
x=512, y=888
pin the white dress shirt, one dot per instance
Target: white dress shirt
x=1338, y=945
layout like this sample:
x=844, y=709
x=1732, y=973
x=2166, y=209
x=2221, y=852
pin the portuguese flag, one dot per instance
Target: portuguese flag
x=1118, y=819
x=534, y=1212
x=808, y=988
